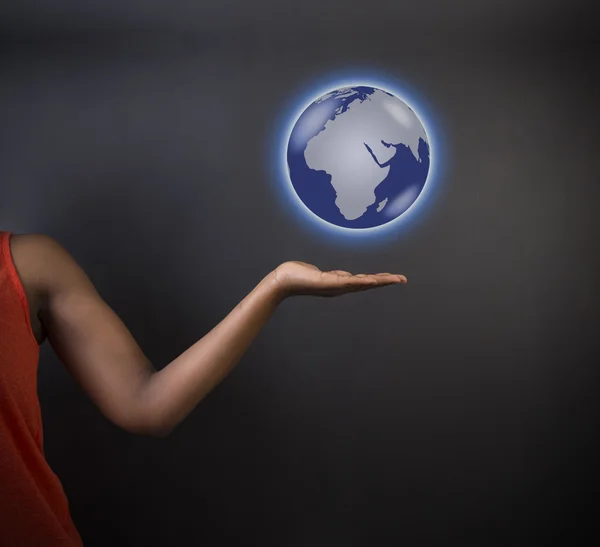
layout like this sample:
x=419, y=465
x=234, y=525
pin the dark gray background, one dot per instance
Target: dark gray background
x=460, y=409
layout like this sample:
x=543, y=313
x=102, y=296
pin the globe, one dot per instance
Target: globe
x=358, y=157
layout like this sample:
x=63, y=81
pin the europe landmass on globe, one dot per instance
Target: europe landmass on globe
x=358, y=157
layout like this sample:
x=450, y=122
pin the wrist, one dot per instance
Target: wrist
x=272, y=288
x=276, y=286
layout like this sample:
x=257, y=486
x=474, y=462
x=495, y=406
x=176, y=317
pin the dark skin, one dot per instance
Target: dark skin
x=25, y=266
x=102, y=355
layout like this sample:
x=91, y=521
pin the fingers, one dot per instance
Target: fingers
x=392, y=278
x=362, y=281
x=382, y=278
x=398, y=277
x=377, y=275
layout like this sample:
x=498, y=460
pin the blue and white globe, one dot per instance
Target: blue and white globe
x=358, y=157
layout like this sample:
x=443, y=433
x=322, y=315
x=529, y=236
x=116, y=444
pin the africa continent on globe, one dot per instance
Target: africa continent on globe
x=358, y=157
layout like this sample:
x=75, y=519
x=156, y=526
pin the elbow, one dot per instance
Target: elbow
x=147, y=427
x=153, y=429
x=160, y=427
x=156, y=431
x=145, y=418
x=159, y=432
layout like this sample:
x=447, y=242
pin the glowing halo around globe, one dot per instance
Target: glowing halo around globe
x=315, y=100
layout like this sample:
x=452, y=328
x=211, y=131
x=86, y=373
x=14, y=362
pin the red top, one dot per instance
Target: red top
x=34, y=511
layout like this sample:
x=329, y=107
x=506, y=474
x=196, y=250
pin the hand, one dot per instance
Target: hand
x=295, y=278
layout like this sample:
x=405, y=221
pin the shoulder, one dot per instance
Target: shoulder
x=34, y=253
x=44, y=264
x=28, y=243
x=28, y=249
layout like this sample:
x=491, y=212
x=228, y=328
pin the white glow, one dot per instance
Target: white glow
x=401, y=116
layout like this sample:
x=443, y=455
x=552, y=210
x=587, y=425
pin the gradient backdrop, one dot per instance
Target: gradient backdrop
x=460, y=409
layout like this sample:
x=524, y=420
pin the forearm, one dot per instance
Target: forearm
x=170, y=394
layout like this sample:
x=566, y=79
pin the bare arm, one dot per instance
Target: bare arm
x=102, y=355
x=172, y=393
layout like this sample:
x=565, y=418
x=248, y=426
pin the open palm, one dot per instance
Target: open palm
x=297, y=278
